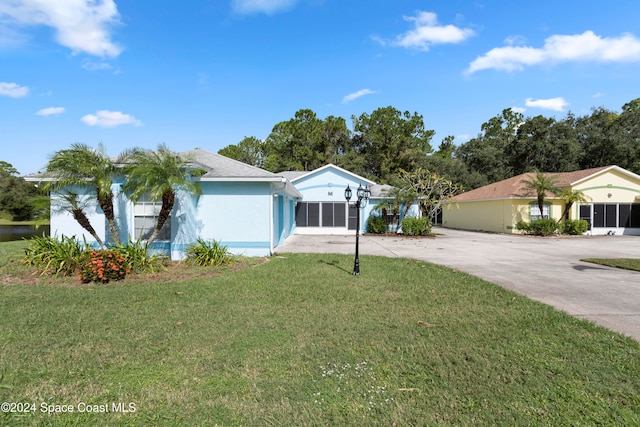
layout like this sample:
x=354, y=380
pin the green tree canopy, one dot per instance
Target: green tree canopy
x=391, y=140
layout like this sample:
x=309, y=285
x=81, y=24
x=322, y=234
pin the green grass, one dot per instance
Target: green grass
x=298, y=341
x=626, y=263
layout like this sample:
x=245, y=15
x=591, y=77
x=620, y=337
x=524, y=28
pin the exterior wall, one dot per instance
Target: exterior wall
x=283, y=218
x=498, y=216
x=236, y=214
x=328, y=185
x=486, y=215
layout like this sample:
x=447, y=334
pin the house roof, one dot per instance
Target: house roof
x=218, y=166
x=297, y=175
x=514, y=187
x=291, y=175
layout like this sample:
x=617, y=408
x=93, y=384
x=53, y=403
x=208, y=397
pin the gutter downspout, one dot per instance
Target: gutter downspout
x=271, y=194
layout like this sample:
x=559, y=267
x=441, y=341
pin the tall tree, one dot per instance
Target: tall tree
x=82, y=166
x=295, y=144
x=17, y=197
x=541, y=185
x=157, y=175
x=542, y=143
x=485, y=154
x=250, y=150
x=391, y=140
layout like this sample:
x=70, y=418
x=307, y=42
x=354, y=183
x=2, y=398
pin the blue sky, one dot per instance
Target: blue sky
x=207, y=73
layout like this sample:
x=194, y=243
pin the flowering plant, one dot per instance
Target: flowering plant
x=103, y=266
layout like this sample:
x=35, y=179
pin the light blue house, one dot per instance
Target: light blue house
x=247, y=209
x=323, y=208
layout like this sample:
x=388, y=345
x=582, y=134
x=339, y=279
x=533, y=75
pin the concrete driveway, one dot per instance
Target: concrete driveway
x=544, y=269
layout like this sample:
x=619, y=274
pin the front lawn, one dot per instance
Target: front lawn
x=297, y=341
x=626, y=263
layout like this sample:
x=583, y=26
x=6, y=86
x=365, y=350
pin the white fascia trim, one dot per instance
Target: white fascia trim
x=240, y=179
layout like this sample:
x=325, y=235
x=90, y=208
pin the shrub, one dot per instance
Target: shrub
x=574, y=227
x=48, y=254
x=543, y=227
x=523, y=226
x=208, y=253
x=102, y=266
x=376, y=225
x=416, y=226
x=138, y=259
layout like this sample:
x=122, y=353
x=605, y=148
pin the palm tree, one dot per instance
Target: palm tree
x=82, y=166
x=539, y=185
x=157, y=174
x=570, y=197
x=73, y=203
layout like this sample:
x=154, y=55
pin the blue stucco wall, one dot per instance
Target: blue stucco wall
x=250, y=218
x=328, y=185
x=237, y=214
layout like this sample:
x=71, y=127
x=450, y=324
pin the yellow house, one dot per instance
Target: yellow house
x=613, y=207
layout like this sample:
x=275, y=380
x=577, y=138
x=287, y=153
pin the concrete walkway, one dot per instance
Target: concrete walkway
x=544, y=269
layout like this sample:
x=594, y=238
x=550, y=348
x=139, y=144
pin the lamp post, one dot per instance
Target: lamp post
x=363, y=197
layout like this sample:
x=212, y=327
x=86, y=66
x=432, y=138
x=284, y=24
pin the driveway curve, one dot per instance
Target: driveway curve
x=546, y=269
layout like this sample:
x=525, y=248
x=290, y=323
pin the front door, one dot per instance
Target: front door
x=353, y=217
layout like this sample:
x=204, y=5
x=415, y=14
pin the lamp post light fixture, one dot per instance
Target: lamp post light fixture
x=363, y=195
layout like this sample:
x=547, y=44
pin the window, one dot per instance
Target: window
x=629, y=215
x=316, y=214
x=145, y=213
x=534, y=211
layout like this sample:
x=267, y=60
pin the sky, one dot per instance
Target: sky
x=207, y=73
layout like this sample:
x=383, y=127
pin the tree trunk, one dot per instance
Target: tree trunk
x=168, y=200
x=567, y=208
x=106, y=204
x=82, y=219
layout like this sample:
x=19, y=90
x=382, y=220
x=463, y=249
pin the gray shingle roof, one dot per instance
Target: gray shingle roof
x=218, y=166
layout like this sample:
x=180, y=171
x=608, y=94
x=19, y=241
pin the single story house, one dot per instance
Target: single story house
x=247, y=209
x=613, y=206
x=323, y=208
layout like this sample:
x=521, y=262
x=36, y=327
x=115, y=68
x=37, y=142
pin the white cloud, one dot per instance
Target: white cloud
x=428, y=32
x=356, y=95
x=555, y=104
x=585, y=47
x=96, y=66
x=13, y=90
x=520, y=110
x=81, y=25
x=51, y=111
x=261, y=6
x=108, y=119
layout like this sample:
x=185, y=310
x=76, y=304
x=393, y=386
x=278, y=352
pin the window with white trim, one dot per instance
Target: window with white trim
x=534, y=211
x=145, y=218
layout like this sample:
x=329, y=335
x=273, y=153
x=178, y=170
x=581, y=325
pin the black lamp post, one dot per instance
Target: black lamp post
x=363, y=197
